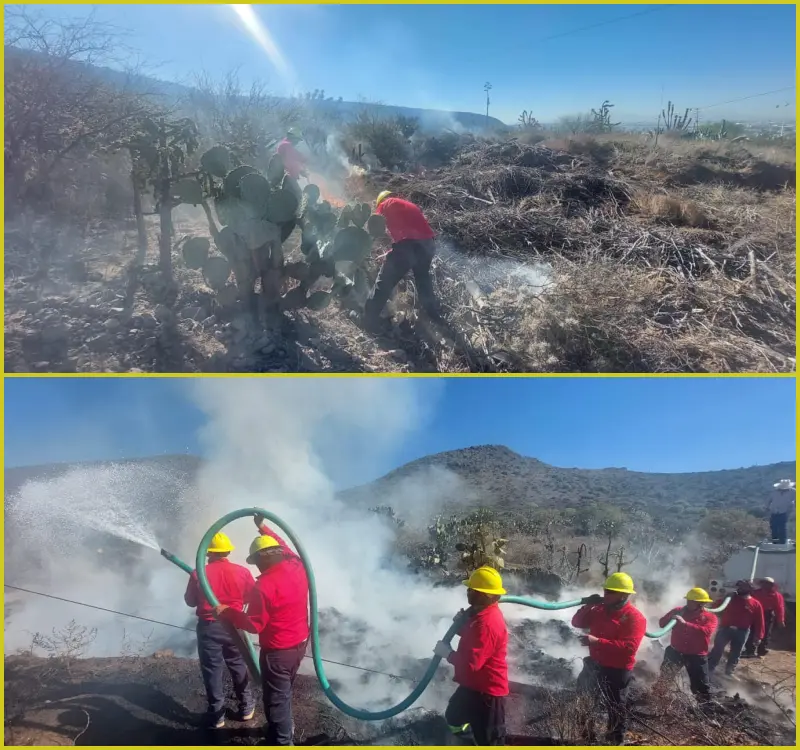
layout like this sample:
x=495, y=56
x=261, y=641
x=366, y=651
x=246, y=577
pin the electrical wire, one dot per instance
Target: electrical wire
x=181, y=627
x=745, y=98
x=600, y=23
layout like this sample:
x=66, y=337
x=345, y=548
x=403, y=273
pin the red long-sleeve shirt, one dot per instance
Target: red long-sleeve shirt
x=743, y=612
x=480, y=660
x=231, y=583
x=620, y=633
x=404, y=220
x=293, y=160
x=692, y=637
x=277, y=608
x=772, y=601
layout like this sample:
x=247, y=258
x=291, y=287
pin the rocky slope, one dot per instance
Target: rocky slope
x=494, y=476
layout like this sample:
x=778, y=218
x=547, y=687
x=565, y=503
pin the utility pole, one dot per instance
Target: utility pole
x=487, y=87
x=696, y=120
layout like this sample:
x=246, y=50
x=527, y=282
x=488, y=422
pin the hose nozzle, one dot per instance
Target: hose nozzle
x=175, y=560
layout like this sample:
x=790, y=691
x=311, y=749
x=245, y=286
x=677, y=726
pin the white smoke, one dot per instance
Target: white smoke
x=268, y=444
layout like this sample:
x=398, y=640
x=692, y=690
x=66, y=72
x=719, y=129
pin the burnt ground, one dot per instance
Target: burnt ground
x=577, y=256
x=159, y=700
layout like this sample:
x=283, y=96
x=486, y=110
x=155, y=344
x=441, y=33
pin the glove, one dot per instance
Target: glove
x=443, y=649
x=463, y=615
x=593, y=599
x=259, y=521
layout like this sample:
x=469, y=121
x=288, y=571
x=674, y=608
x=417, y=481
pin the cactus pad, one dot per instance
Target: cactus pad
x=376, y=226
x=216, y=161
x=360, y=213
x=351, y=243
x=230, y=185
x=255, y=191
x=294, y=298
x=216, y=271
x=344, y=218
x=256, y=233
x=195, y=252
x=230, y=244
x=189, y=191
x=282, y=206
x=318, y=300
x=311, y=193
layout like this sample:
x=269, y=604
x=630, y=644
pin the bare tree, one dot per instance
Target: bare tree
x=58, y=111
x=247, y=121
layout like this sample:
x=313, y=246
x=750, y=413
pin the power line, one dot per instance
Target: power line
x=744, y=98
x=601, y=23
x=188, y=630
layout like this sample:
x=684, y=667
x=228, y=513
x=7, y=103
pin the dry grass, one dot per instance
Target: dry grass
x=676, y=259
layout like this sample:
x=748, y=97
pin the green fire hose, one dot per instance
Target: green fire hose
x=356, y=713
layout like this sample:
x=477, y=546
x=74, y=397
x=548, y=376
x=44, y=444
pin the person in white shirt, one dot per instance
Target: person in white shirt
x=780, y=505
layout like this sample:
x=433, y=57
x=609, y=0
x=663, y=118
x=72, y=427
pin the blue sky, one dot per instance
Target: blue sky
x=657, y=424
x=440, y=56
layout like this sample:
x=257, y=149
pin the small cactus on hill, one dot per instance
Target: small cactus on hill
x=528, y=122
x=601, y=122
x=674, y=123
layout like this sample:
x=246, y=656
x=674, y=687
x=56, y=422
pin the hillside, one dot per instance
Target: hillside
x=495, y=477
x=173, y=94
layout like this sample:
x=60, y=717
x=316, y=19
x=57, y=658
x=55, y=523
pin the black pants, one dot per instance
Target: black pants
x=217, y=649
x=278, y=672
x=405, y=256
x=735, y=638
x=763, y=646
x=608, y=686
x=778, y=524
x=696, y=668
x=485, y=714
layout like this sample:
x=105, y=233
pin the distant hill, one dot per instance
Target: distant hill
x=496, y=477
x=173, y=93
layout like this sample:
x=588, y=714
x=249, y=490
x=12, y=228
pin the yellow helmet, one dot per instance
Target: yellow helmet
x=382, y=197
x=259, y=544
x=698, y=595
x=486, y=580
x=220, y=543
x=622, y=583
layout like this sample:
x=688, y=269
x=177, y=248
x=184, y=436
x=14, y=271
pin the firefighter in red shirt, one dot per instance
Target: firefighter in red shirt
x=616, y=629
x=216, y=646
x=277, y=610
x=413, y=249
x=481, y=666
x=691, y=639
x=742, y=616
x=294, y=163
x=771, y=601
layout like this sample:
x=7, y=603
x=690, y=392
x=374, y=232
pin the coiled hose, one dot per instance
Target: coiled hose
x=319, y=667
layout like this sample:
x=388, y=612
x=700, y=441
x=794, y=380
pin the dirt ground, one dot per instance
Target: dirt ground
x=159, y=700
x=569, y=257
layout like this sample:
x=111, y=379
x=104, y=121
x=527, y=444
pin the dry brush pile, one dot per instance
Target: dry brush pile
x=672, y=259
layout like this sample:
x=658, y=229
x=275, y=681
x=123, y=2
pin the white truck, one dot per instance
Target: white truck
x=764, y=560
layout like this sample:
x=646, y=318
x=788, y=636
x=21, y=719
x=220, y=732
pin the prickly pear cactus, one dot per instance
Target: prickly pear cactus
x=216, y=161
x=195, y=252
x=258, y=212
